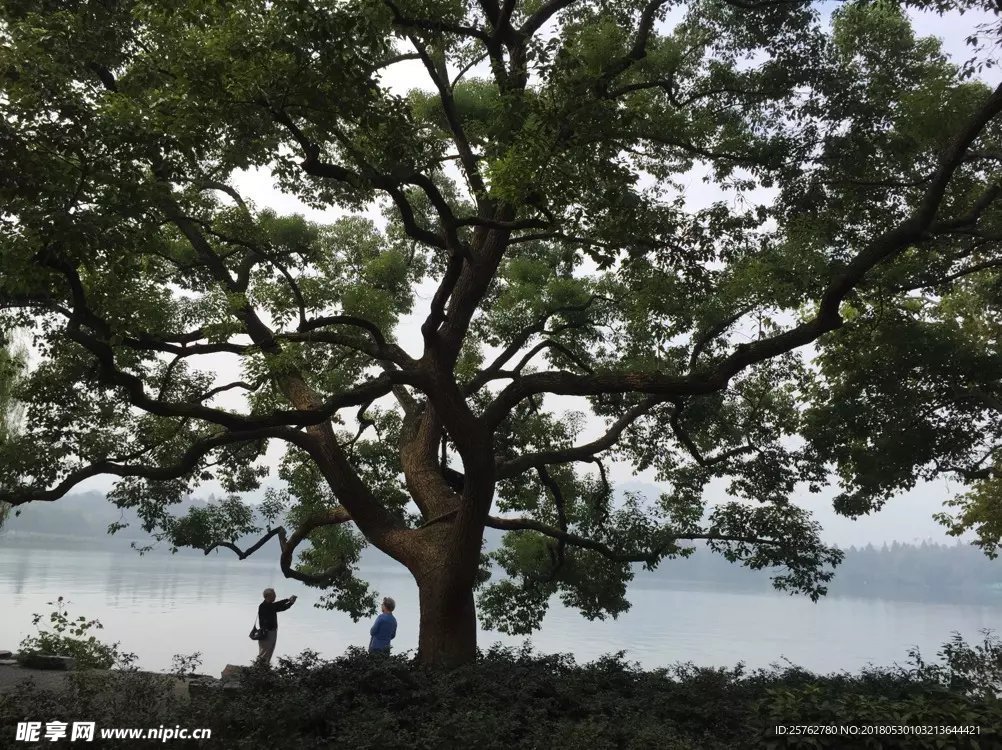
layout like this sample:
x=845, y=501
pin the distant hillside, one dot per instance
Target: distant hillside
x=921, y=572
x=926, y=571
x=82, y=520
x=85, y=518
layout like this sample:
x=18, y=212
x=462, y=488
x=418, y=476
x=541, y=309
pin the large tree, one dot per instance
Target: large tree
x=720, y=240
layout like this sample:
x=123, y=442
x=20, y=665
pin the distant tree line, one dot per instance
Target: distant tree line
x=928, y=569
x=927, y=565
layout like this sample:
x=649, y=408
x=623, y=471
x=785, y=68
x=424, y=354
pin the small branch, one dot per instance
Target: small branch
x=977, y=267
x=584, y=452
x=440, y=518
x=520, y=340
x=702, y=340
x=575, y=540
x=505, y=225
x=976, y=471
x=971, y=217
x=223, y=388
x=459, y=136
x=334, y=517
x=440, y=27
x=693, y=450
x=545, y=12
x=289, y=543
x=556, y=346
x=404, y=56
x=436, y=314
x=391, y=186
x=224, y=188
x=606, y=487
x=186, y=463
x=244, y=554
x=464, y=70
x=351, y=320
x=557, y=553
x=639, y=49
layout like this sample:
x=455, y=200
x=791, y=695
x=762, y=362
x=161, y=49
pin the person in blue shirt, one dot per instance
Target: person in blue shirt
x=383, y=629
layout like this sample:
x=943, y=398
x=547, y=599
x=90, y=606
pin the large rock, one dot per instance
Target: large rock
x=46, y=661
x=232, y=673
x=199, y=689
x=202, y=688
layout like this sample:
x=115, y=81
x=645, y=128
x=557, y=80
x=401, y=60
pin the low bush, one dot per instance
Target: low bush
x=66, y=636
x=520, y=699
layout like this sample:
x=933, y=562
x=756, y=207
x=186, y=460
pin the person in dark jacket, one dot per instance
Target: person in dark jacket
x=383, y=629
x=267, y=617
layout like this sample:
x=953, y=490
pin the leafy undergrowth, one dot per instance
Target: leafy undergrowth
x=59, y=633
x=519, y=699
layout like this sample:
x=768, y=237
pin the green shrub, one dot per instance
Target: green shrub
x=514, y=698
x=959, y=691
x=73, y=637
x=973, y=670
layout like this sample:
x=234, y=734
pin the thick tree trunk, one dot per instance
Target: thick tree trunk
x=448, y=631
x=446, y=553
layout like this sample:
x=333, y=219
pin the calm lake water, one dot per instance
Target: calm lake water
x=158, y=606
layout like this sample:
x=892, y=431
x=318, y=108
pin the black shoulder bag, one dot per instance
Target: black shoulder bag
x=257, y=633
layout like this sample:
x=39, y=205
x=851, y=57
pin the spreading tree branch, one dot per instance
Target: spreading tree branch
x=186, y=463
x=883, y=247
x=652, y=556
x=586, y=452
x=288, y=544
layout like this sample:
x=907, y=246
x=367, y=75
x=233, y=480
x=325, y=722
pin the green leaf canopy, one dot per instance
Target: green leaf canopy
x=748, y=242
